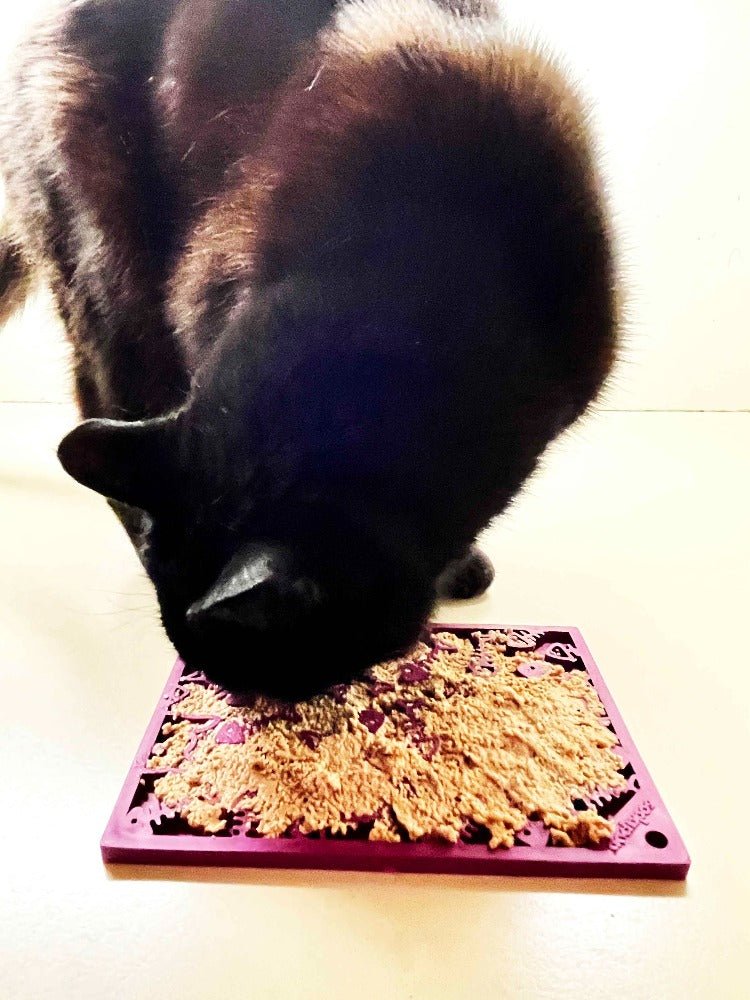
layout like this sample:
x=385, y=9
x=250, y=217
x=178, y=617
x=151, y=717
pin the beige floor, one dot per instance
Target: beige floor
x=636, y=530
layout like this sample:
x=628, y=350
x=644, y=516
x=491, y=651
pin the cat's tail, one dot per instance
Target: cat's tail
x=15, y=274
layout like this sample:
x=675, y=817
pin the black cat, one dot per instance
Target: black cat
x=332, y=280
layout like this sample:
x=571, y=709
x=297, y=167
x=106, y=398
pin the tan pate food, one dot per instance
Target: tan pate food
x=455, y=740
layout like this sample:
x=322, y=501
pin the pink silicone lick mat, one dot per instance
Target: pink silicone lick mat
x=645, y=842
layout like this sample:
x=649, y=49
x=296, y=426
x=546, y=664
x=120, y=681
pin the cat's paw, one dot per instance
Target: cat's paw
x=466, y=577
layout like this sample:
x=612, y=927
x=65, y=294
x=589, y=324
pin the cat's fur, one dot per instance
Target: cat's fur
x=344, y=275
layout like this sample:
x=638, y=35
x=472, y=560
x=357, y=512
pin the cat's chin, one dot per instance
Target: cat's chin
x=287, y=670
x=284, y=687
x=276, y=667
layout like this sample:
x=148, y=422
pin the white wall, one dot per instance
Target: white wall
x=670, y=86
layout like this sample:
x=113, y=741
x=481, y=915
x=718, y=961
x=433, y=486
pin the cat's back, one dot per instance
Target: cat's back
x=424, y=170
x=416, y=263
x=84, y=70
x=220, y=64
x=189, y=81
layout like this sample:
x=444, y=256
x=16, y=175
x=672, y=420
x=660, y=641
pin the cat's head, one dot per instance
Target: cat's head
x=270, y=591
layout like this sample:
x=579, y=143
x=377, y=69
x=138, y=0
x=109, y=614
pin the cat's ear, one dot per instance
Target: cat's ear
x=260, y=589
x=127, y=461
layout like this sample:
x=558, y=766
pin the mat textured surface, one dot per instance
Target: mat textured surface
x=644, y=843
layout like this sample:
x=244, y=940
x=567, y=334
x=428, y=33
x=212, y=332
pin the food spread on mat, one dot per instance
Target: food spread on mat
x=466, y=739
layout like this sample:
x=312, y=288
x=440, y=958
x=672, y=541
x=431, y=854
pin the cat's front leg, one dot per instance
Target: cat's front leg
x=466, y=577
